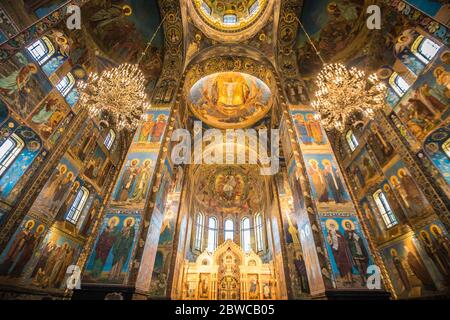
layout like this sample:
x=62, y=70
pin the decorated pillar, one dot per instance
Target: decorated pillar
x=342, y=240
x=141, y=214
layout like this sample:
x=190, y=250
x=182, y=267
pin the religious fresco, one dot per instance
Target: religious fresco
x=230, y=99
x=21, y=165
x=411, y=62
x=22, y=84
x=363, y=171
x=84, y=142
x=49, y=267
x=67, y=203
x=293, y=177
x=20, y=248
x=122, y=29
x=113, y=28
x=27, y=35
x=412, y=16
x=62, y=51
x=56, y=189
x=296, y=262
x=134, y=180
x=154, y=243
x=439, y=10
x=164, y=186
x=8, y=27
x=392, y=97
x=72, y=97
x=273, y=228
x=410, y=195
x=97, y=167
x=143, y=281
x=327, y=184
x=348, y=250
x=111, y=256
x=47, y=117
x=228, y=189
x=425, y=105
x=308, y=255
x=285, y=140
x=406, y=134
x=332, y=25
x=158, y=285
x=436, y=243
x=434, y=146
x=372, y=218
x=382, y=149
x=409, y=269
x=152, y=131
x=4, y=112
x=43, y=9
x=308, y=128
x=88, y=216
x=60, y=129
x=394, y=201
x=137, y=171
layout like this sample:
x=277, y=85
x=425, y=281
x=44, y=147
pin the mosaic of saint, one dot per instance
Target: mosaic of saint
x=230, y=99
x=229, y=188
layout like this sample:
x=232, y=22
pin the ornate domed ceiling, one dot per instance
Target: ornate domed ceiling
x=229, y=189
x=230, y=20
x=230, y=100
x=230, y=15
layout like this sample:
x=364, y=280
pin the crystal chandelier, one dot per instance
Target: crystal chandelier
x=119, y=93
x=344, y=94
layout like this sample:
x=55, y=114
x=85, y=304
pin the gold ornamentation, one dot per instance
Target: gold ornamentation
x=118, y=92
x=344, y=93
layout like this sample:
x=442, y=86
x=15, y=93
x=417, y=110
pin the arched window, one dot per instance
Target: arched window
x=229, y=230
x=259, y=233
x=66, y=84
x=212, y=234
x=424, y=49
x=77, y=205
x=387, y=215
x=109, y=140
x=254, y=7
x=230, y=19
x=9, y=151
x=351, y=140
x=446, y=147
x=245, y=235
x=199, y=231
x=41, y=50
x=206, y=8
x=399, y=84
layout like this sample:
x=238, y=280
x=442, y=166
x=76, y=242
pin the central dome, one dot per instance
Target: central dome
x=230, y=20
x=230, y=15
x=230, y=99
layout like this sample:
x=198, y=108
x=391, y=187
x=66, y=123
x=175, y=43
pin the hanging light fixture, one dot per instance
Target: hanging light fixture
x=119, y=93
x=345, y=94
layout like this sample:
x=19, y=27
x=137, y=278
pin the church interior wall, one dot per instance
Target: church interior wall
x=379, y=189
